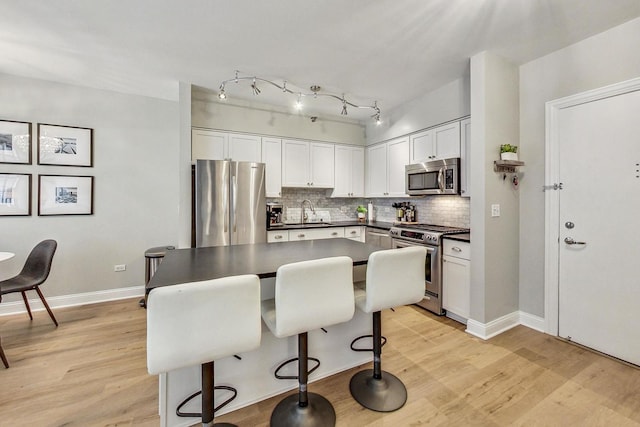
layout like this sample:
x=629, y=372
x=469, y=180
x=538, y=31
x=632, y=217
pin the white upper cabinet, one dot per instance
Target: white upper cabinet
x=245, y=148
x=322, y=165
x=442, y=142
x=465, y=150
x=272, y=158
x=397, y=159
x=377, y=171
x=446, y=141
x=307, y=164
x=421, y=146
x=208, y=145
x=212, y=145
x=349, y=171
x=385, y=173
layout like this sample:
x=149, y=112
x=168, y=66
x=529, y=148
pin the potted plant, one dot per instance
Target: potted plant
x=361, y=210
x=508, y=152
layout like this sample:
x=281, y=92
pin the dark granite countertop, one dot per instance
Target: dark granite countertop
x=375, y=224
x=263, y=259
x=463, y=237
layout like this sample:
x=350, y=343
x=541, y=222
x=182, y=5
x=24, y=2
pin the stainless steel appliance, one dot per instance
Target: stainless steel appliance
x=229, y=203
x=429, y=236
x=437, y=177
x=378, y=237
x=274, y=214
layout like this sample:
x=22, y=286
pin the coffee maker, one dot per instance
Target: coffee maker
x=274, y=214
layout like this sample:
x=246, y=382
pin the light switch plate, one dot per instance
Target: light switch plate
x=495, y=210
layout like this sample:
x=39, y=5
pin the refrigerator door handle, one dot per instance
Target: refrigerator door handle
x=234, y=200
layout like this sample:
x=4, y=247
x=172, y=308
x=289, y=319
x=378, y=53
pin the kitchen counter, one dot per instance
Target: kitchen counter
x=252, y=373
x=463, y=237
x=353, y=223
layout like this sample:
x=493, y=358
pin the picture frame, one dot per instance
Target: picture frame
x=15, y=194
x=65, y=145
x=15, y=142
x=65, y=195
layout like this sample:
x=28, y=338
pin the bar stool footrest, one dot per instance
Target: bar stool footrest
x=198, y=393
x=295, y=377
x=384, y=341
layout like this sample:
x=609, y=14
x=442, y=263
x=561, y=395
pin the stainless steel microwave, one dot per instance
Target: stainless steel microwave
x=437, y=177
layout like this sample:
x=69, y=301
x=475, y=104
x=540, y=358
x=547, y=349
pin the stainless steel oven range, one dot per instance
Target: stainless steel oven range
x=429, y=236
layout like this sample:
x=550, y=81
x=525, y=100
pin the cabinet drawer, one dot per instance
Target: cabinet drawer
x=277, y=236
x=316, y=233
x=352, y=232
x=456, y=249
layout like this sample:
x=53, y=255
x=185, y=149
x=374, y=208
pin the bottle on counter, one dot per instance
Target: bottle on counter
x=370, y=212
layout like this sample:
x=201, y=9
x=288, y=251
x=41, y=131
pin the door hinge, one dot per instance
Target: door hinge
x=552, y=187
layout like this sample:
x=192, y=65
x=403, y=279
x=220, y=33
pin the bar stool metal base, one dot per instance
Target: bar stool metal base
x=318, y=413
x=383, y=395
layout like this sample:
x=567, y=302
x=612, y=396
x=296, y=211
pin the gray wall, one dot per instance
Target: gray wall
x=604, y=59
x=444, y=104
x=136, y=186
x=208, y=112
x=495, y=240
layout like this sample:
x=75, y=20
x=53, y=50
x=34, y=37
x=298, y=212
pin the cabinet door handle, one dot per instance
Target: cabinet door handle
x=353, y=232
x=334, y=233
x=457, y=249
x=278, y=237
x=301, y=235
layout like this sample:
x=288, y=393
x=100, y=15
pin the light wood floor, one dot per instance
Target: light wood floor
x=91, y=372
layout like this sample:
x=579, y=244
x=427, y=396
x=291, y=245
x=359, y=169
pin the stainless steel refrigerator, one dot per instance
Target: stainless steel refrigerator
x=230, y=204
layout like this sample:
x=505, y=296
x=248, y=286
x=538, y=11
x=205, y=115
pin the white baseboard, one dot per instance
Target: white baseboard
x=532, y=321
x=504, y=323
x=15, y=307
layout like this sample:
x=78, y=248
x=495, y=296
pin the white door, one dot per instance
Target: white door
x=599, y=274
x=342, y=187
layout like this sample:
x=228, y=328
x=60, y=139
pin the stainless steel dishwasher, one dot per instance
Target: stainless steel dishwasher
x=378, y=237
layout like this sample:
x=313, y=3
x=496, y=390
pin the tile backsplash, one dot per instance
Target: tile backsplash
x=451, y=211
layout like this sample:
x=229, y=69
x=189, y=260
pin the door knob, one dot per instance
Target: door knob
x=570, y=241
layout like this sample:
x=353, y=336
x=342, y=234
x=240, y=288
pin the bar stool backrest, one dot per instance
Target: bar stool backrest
x=194, y=323
x=395, y=277
x=313, y=294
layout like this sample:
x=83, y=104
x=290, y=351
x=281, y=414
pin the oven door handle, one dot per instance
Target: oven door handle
x=441, y=180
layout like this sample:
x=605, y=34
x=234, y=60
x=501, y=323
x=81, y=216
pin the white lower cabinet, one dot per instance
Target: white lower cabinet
x=456, y=278
x=354, y=233
x=316, y=233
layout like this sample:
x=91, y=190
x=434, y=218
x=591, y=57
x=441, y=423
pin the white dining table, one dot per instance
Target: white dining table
x=6, y=255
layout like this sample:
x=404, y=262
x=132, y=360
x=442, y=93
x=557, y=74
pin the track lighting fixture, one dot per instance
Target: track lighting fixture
x=315, y=92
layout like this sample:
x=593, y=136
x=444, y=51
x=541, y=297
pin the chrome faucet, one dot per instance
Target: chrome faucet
x=303, y=215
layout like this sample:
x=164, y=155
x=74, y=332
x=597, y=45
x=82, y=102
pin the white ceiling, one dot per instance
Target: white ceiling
x=386, y=50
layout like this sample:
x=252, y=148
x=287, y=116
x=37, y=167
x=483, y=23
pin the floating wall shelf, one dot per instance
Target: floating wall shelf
x=506, y=166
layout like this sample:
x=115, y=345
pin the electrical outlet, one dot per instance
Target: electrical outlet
x=495, y=210
x=120, y=267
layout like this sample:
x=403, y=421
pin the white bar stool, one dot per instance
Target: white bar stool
x=199, y=322
x=309, y=295
x=395, y=277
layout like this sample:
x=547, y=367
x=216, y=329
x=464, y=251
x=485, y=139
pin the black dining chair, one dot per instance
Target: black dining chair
x=34, y=273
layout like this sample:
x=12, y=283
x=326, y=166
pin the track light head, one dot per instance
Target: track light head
x=344, y=108
x=222, y=94
x=256, y=91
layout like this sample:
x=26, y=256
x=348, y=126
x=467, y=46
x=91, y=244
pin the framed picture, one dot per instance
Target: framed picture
x=65, y=145
x=15, y=142
x=65, y=195
x=15, y=194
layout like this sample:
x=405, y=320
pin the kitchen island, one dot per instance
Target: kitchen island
x=252, y=373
